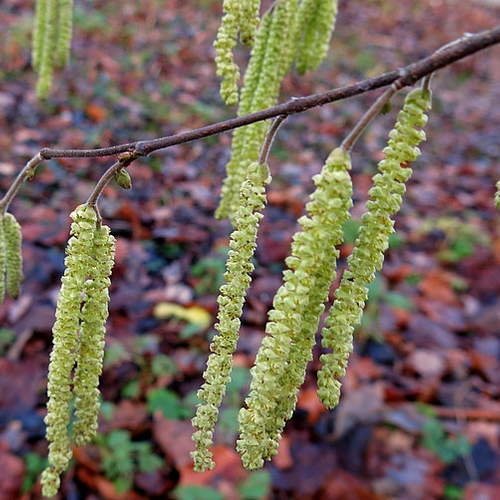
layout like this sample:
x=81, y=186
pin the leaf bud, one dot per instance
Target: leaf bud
x=123, y=179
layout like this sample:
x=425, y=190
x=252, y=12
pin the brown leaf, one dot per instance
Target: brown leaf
x=174, y=438
x=128, y=415
x=361, y=405
x=96, y=112
x=308, y=400
x=284, y=460
x=19, y=386
x=12, y=475
x=426, y=363
x=481, y=491
x=436, y=286
x=152, y=483
x=228, y=467
x=344, y=486
x=104, y=487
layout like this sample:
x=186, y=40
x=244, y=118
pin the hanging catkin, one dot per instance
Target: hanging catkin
x=90, y=353
x=65, y=333
x=239, y=268
x=3, y=260
x=372, y=241
x=45, y=45
x=64, y=32
x=281, y=361
x=316, y=24
x=239, y=17
x=13, y=256
x=52, y=35
x=82, y=309
x=497, y=195
x=270, y=61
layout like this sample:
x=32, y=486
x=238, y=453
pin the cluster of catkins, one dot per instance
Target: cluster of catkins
x=11, y=263
x=52, y=39
x=291, y=31
x=281, y=362
x=299, y=31
x=78, y=341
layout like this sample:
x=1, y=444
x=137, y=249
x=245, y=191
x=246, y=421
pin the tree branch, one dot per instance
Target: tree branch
x=409, y=75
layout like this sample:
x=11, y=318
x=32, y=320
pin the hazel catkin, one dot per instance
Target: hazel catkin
x=282, y=359
x=13, y=256
x=372, y=241
x=78, y=339
x=239, y=267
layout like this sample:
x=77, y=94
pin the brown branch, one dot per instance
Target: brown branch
x=26, y=173
x=409, y=75
x=355, y=133
x=271, y=134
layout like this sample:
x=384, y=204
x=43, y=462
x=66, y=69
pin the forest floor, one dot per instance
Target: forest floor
x=420, y=413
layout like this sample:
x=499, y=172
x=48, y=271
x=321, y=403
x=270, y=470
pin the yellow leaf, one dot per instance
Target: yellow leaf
x=194, y=315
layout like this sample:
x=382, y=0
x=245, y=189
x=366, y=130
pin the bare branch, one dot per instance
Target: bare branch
x=26, y=173
x=409, y=75
x=271, y=134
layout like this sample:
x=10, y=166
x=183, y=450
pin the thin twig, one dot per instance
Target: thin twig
x=355, y=133
x=271, y=134
x=26, y=173
x=124, y=160
x=102, y=183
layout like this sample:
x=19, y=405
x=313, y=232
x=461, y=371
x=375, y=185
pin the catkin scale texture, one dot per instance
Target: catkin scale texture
x=13, y=256
x=51, y=40
x=242, y=245
x=78, y=340
x=282, y=359
x=372, y=241
x=3, y=261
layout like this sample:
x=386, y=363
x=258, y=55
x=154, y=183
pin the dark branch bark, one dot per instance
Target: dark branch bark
x=409, y=75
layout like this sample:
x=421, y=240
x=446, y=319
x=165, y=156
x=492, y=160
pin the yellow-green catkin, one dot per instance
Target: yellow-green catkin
x=239, y=143
x=250, y=15
x=316, y=21
x=3, y=261
x=13, y=256
x=224, y=47
x=242, y=17
x=39, y=32
x=271, y=59
x=51, y=40
x=45, y=53
x=65, y=32
x=80, y=313
x=281, y=361
x=66, y=332
x=254, y=69
x=372, y=241
x=231, y=299
x=90, y=353
x=497, y=196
